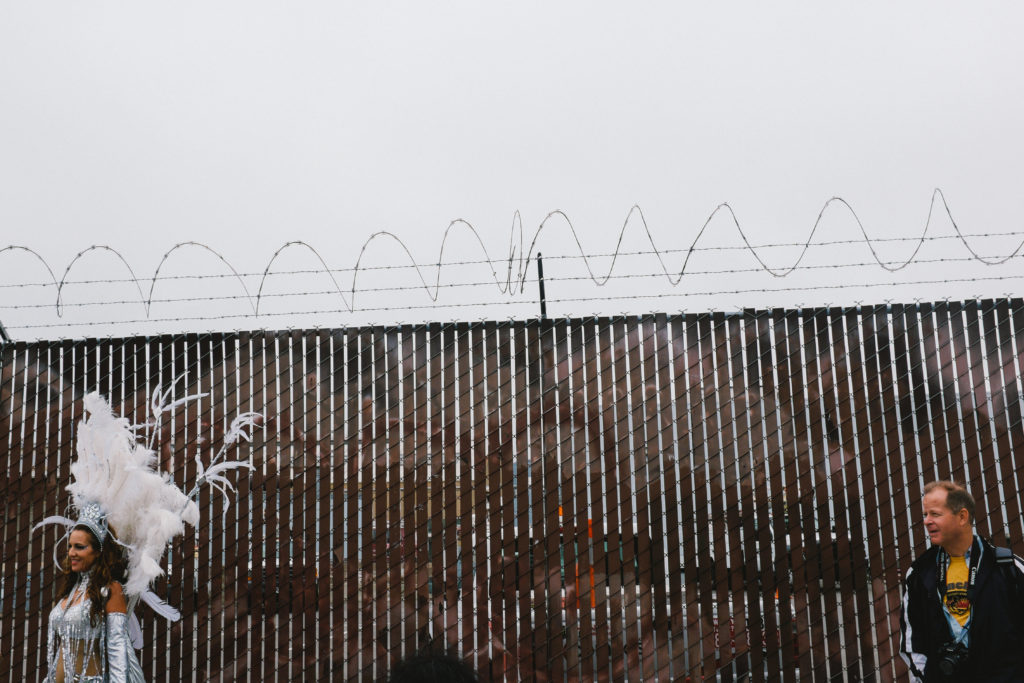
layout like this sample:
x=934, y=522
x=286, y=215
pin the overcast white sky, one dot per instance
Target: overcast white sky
x=245, y=125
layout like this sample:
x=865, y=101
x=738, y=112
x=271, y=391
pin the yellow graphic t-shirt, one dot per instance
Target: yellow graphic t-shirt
x=956, y=590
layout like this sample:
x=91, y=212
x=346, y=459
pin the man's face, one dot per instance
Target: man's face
x=943, y=527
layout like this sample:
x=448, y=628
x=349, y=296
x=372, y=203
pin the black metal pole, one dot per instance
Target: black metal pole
x=540, y=279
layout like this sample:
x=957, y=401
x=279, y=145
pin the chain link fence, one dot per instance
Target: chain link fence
x=665, y=497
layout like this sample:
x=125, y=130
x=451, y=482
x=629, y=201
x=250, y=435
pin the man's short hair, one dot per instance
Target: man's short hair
x=433, y=665
x=957, y=497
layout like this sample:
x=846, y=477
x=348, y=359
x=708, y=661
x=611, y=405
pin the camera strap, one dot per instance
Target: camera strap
x=942, y=565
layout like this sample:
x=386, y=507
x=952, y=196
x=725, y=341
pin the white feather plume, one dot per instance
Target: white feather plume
x=160, y=606
x=145, y=508
x=135, y=631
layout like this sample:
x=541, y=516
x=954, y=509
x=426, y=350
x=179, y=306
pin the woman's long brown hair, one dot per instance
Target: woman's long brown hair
x=109, y=566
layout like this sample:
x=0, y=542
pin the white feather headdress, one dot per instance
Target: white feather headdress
x=117, y=485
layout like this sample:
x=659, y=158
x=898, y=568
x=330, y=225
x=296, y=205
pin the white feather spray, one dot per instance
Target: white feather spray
x=144, y=506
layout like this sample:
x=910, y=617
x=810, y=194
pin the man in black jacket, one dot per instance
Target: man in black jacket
x=962, y=599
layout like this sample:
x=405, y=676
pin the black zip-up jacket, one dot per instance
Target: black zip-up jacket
x=996, y=652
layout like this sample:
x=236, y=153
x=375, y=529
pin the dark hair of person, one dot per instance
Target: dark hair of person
x=433, y=665
x=957, y=497
x=109, y=566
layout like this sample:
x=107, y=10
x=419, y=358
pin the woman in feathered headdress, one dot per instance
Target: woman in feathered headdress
x=117, y=486
x=88, y=631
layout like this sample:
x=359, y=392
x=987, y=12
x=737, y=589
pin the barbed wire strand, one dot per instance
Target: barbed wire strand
x=156, y=273
x=454, y=285
x=523, y=302
x=519, y=265
x=551, y=257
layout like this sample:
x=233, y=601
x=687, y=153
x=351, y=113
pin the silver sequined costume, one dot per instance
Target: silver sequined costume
x=79, y=652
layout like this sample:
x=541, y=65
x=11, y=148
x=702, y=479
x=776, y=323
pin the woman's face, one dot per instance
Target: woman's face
x=81, y=552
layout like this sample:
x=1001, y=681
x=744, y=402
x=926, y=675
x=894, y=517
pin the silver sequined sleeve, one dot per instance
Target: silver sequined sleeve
x=117, y=647
x=122, y=664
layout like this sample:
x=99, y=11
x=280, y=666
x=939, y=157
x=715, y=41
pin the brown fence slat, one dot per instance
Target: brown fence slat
x=984, y=486
x=1014, y=407
x=202, y=546
x=944, y=421
x=647, y=493
x=677, y=456
x=525, y=661
x=17, y=504
x=10, y=494
x=884, y=470
x=1008, y=428
x=620, y=520
x=355, y=626
x=860, y=351
x=35, y=468
x=661, y=474
x=971, y=392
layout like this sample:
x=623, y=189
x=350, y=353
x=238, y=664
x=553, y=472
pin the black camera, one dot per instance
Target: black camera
x=951, y=657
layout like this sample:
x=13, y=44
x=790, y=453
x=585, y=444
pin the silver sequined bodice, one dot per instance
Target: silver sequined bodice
x=74, y=645
x=79, y=652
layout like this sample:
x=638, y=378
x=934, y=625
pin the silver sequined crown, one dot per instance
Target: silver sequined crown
x=91, y=515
